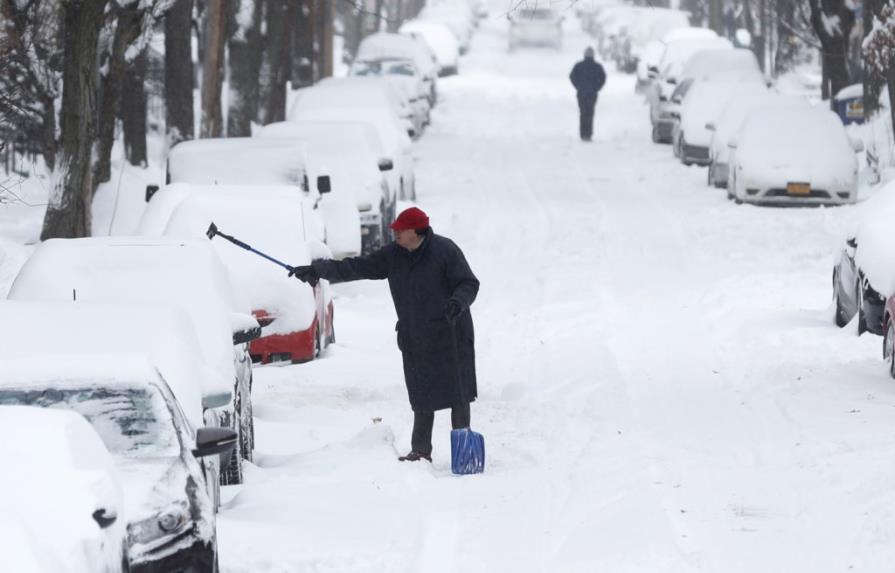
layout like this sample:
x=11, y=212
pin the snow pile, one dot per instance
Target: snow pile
x=270, y=220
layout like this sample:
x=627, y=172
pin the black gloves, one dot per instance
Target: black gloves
x=452, y=310
x=305, y=274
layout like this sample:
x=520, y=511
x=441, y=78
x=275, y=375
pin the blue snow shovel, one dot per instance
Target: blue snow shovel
x=467, y=447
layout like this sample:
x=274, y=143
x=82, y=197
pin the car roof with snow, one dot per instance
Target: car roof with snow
x=348, y=136
x=679, y=51
x=873, y=231
x=712, y=62
x=386, y=44
x=239, y=160
x=186, y=273
x=270, y=221
x=689, y=33
x=45, y=330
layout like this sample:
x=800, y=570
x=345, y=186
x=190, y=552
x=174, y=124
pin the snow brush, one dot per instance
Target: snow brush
x=213, y=232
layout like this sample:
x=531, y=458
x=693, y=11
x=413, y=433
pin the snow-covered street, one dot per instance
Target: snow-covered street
x=661, y=386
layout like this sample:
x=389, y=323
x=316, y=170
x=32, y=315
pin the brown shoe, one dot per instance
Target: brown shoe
x=415, y=457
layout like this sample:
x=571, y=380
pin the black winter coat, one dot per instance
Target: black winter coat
x=439, y=359
x=588, y=76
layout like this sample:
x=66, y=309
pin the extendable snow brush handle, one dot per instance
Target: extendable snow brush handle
x=213, y=232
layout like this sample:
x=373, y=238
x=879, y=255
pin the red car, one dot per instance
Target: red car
x=299, y=345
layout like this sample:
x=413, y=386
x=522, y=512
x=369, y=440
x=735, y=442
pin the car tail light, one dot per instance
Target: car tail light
x=263, y=317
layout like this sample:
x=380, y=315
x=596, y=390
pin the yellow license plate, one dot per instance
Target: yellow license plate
x=798, y=189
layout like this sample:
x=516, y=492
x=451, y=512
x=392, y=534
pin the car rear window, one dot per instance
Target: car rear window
x=134, y=422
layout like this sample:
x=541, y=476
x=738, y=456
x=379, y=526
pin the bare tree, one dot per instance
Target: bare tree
x=832, y=21
x=68, y=211
x=133, y=109
x=244, y=46
x=214, y=39
x=179, y=73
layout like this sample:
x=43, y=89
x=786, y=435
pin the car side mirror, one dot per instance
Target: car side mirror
x=852, y=242
x=710, y=126
x=214, y=441
x=324, y=184
x=246, y=335
x=386, y=164
x=411, y=132
x=732, y=142
x=150, y=191
x=105, y=517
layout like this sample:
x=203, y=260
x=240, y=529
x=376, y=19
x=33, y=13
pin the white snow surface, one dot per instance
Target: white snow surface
x=661, y=386
x=874, y=254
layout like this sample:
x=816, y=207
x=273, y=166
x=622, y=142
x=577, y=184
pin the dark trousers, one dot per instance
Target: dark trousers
x=586, y=104
x=421, y=440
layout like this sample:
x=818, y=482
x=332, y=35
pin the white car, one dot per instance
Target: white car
x=457, y=16
x=440, y=40
x=793, y=157
x=182, y=273
x=387, y=45
x=403, y=74
x=170, y=518
x=730, y=121
x=535, y=27
x=667, y=76
x=63, y=508
x=296, y=319
x=395, y=141
x=162, y=332
x=703, y=103
x=354, y=156
x=374, y=92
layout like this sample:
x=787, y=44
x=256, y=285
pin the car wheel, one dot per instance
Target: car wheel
x=710, y=179
x=889, y=347
x=862, y=319
x=231, y=471
x=655, y=134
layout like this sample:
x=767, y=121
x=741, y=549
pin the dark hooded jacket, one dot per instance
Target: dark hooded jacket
x=439, y=358
x=588, y=76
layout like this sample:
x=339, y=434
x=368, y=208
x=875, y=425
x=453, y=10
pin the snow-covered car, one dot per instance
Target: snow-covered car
x=249, y=161
x=386, y=45
x=793, y=157
x=730, y=121
x=457, y=16
x=666, y=77
x=889, y=335
x=440, y=40
x=535, y=26
x=170, y=518
x=63, y=507
x=403, y=74
x=354, y=156
x=374, y=92
x=162, y=332
x=864, y=274
x=703, y=103
x=184, y=273
x=396, y=143
x=296, y=319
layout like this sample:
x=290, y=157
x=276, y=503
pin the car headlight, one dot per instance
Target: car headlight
x=155, y=531
x=173, y=518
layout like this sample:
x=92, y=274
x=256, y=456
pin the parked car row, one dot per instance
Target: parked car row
x=134, y=355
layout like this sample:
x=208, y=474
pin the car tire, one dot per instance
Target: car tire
x=247, y=433
x=862, y=318
x=231, y=469
x=889, y=346
x=655, y=134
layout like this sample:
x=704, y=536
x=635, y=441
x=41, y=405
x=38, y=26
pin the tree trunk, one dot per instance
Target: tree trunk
x=48, y=133
x=325, y=37
x=133, y=110
x=302, y=18
x=244, y=48
x=68, y=211
x=179, y=72
x=213, y=68
x=126, y=31
x=353, y=31
x=275, y=64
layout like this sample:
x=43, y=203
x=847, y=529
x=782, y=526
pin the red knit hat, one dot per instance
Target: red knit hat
x=412, y=218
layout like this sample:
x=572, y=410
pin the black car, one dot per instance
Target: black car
x=853, y=294
x=171, y=518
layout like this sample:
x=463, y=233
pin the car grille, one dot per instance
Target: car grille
x=814, y=194
x=696, y=152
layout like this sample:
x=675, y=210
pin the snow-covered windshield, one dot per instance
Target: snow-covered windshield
x=133, y=422
x=384, y=67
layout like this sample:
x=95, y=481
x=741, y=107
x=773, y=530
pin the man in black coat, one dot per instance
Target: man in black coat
x=432, y=287
x=588, y=78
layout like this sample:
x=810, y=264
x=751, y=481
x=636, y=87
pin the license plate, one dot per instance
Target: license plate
x=798, y=189
x=855, y=110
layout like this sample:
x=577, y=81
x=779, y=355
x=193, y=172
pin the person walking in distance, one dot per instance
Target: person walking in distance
x=588, y=77
x=432, y=288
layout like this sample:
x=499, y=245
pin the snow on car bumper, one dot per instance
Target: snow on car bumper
x=782, y=197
